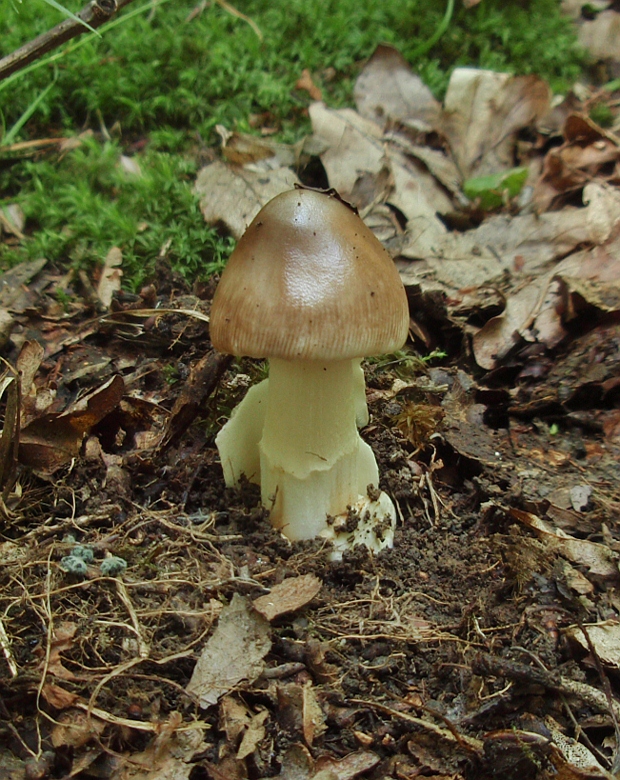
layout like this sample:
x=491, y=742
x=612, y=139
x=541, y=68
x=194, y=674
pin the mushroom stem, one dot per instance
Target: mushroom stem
x=313, y=462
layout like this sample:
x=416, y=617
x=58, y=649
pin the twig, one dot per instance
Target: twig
x=6, y=649
x=234, y=12
x=608, y=693
x=450, y=734
x=143, y=646
x=487, y=665
x=202, y=381
x=92, y=15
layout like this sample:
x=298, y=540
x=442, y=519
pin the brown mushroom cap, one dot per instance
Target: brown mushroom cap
x=308, y=280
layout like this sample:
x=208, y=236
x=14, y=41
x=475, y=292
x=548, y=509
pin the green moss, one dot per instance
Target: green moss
x=79, y=207
x=602, y=114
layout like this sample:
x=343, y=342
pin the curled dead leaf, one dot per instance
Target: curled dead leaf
x=51, y=441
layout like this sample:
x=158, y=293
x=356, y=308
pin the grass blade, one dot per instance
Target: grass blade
x=12, y=133
x=71, y=15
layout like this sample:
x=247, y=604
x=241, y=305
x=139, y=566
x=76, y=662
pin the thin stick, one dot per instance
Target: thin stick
x=143, y=645
x=5, y=643
x=94, y=15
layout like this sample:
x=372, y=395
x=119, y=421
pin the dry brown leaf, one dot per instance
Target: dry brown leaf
x=261, y=153
x=62, y=640
x=416, y=191
x=585, y=156
x=523, y=246
x=235, y=717
x=358, y=160
x=163, y=767
x=313, y=719
x=51, y=441
x=350, y=766
x=13, y=281
x=234, y=196
x=605, y=638
x=386, y=89
x=575, y=579
x=58, y=697
x=598, y=558
x=254, y=735
x=538, y=311
x=111, y=275
x=483, y=112
x=297, y=763
x=234, y=653
x=290, y=595
x=290, y=707
x=502, y=333
x=9, y=438
x=438, y=162
x=168, y=757
x=28, y=362
x=354, y=145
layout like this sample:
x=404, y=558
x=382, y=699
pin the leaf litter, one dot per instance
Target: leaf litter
x=485, y=643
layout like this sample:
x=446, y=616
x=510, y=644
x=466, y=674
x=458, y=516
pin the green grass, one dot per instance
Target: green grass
x=158, y=77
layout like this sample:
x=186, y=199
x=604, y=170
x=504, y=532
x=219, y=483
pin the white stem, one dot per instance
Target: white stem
x=237, y=442
x=312, y=460
x=295, y=434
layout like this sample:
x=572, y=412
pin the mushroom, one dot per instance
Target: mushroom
x=310, y=288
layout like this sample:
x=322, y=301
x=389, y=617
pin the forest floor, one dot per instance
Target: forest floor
x=153, y=625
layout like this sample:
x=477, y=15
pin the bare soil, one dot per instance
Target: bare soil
x=451, y=655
